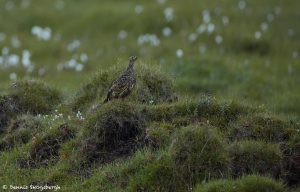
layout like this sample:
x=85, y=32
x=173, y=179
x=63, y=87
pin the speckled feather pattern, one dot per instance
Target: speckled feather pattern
x=124, y=84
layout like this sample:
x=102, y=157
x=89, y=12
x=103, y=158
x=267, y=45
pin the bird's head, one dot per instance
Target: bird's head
x=132, y=59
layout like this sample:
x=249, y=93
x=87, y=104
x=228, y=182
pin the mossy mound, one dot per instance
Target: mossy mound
x=34, y=97
x=204, y=109
x=200, y=153
x=255, y=157
x=197, y=153
x=152, y=87
x=45, y=150
x=115, y=130
x=20, y=131
x=159, y=175
x=263, y=128
x=250, y=183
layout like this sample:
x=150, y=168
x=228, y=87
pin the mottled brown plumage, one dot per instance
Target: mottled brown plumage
x=124, y=84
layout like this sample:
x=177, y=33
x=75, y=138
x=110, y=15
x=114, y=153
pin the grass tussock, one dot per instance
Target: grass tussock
x=250, y=157
x=31, y=96
x=115, y=130
x=20, y=131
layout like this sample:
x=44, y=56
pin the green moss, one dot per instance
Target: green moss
x=35, y=97
x=200, y=153
x=255, y=157
x=248, y=183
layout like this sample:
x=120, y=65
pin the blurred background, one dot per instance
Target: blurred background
x=242, y=50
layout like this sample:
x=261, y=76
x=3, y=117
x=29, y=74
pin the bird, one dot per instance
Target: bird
x=124, y=84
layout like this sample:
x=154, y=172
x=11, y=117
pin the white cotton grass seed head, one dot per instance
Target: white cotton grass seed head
x=295, y=54
x=84, y=57
x=60, y=4
x=13, y=60
x=15, y=42
x=277, y=10
x=161, y=1
x=79, y=67
x=122, y=35
x=9, y=5
x=218, y=39
x=5, y=51
x=257, y=35
x=291, y=32
x=264, y=26
x=42, y=71
x=13, y=76
x=2, y=36
x=201, y=29
x=169, y=13
x=41, y=33
x=179, y=53
x=193, y=37
x=225, y=20
x=26, y=58
x=152, y=39
x=138, y=9
x=210, y=28
x=206, y=16
x=25, y=3
x=242, y=5
x=73, y=45
x=167, y=31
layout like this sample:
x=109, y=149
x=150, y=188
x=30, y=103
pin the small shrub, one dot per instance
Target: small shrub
x=255, y=157
x=250, y=183
x=35, y=97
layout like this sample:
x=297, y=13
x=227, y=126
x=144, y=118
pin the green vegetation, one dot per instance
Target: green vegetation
x=215, y=107
x=246, y=184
